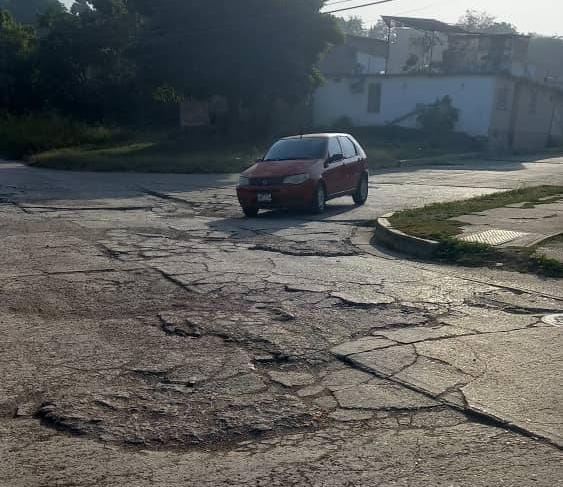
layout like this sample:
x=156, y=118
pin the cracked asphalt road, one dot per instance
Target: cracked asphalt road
x=151, y=336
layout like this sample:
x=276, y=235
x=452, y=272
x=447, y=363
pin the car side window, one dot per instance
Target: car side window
x=334, y=147
x=348, y=147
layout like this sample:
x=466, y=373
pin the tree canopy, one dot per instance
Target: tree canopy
x=27, y=11
x=355, y=26
x=476, y=21
x=115, y=58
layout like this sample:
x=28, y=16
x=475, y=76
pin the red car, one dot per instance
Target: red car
x=304, y=172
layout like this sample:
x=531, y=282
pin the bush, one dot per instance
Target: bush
x=24, y=135
x=438, y=118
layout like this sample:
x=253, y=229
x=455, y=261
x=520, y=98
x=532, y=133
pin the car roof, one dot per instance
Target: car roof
x=324, y=135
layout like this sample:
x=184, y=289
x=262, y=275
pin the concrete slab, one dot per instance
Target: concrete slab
x=506, y=376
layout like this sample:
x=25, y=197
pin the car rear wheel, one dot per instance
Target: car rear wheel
x=319, y=199
x=250, y=211
x=361, y=194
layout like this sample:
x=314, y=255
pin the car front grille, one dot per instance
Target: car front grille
x=266, y=181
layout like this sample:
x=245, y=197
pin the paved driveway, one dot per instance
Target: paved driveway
x=152, y=336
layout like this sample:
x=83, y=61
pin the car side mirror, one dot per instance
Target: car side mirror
x=335, y=158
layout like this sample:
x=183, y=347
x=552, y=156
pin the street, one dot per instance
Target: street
x=152, y=336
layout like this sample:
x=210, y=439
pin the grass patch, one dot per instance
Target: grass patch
x=149, y=157
x=471, y=254
x=23, y=135
x=437, y=222
x=208, y=153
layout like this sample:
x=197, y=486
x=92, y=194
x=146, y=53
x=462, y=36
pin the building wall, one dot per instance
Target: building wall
x=358, y=55
x=400, y=96
x=370, y=63
x=407, y=42
x=530, y=119
x=501, y=114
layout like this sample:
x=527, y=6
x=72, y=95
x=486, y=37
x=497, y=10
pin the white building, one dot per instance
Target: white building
x=510, y=112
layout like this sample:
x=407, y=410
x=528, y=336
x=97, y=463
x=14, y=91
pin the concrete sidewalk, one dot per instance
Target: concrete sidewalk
x=518, y=225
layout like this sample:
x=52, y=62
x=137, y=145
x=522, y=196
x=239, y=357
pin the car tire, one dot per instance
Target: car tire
x=319, y=199
x=250, y=211
x=362, y=191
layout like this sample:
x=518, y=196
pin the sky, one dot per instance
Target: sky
x=539, y=16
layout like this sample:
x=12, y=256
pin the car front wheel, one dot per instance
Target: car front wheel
x=361, y=194
x=250, y=211
x=319, y=199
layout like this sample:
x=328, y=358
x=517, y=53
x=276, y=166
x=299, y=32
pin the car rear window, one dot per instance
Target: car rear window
x=293, y=149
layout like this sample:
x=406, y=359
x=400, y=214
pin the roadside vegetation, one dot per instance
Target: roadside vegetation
x=97, y=86
x=213, y=153
x=437, y=222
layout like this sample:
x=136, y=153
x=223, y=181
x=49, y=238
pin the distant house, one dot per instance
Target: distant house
x=358, y=55
x=487, y=77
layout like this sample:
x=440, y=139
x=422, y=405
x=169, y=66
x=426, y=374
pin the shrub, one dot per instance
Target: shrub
x=438, y=118
x=24, y=135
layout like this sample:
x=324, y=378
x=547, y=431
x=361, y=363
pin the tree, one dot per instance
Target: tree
x=380, y=30
x=475, y=21
x=353, y=26
x=27, y=11
x=80, y=7
x=253, y=52
x=17, y=44
x=84, y=68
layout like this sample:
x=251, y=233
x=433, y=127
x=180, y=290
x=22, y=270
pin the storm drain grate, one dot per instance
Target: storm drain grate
x=493, y=237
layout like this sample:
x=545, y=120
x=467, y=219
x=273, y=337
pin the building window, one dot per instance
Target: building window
x=502, y=98
x=374, y=98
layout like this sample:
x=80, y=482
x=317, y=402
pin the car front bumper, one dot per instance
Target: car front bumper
x=282, y=196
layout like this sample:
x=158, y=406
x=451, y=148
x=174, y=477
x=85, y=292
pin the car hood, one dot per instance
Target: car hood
x=279, y=168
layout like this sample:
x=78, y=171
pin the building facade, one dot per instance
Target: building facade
x=510, y=113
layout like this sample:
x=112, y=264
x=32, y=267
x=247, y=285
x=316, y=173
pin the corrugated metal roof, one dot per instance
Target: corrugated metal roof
x=430, y=25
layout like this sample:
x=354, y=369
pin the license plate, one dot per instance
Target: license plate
x=264, y=197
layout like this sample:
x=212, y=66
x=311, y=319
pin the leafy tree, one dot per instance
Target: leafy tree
x=27, y=11
x=83, y=65
x=121, y=59
x=352, y=26
x=476, y=21
x=17, y=44
x=253, y=52
x=355, y=26
x=380, y=30
x=80, y=7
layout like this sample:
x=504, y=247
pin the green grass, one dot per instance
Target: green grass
x=149, y=157
x=24, y=135
x=471, y=254
x=206, y=153
x=437, y=222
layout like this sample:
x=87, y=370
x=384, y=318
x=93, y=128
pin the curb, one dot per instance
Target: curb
x=362, y=238
x=394, y=239
x=441, y=160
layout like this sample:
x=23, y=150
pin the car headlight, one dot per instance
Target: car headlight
x=297, y=179
x=243, y=181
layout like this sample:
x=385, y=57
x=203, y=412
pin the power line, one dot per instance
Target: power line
x=359, y=6
x=330, y=4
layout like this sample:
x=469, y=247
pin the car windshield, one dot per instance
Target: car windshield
x=294, y=149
